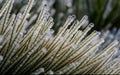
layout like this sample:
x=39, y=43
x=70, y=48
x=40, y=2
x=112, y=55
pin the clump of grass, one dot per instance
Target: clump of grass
x=37, y=51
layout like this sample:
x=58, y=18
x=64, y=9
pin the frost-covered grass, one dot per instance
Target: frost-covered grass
x=37, y=51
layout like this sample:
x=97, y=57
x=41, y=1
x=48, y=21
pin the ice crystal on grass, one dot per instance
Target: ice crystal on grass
x=36, y=50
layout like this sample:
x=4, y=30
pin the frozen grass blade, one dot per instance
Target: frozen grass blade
x=38, y=51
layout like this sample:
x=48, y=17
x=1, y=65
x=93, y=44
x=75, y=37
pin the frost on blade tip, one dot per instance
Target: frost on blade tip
x=85, y=17
x=91, y=25
x=72, y=17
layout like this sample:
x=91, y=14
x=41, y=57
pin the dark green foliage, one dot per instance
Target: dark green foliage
x=101, y=13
